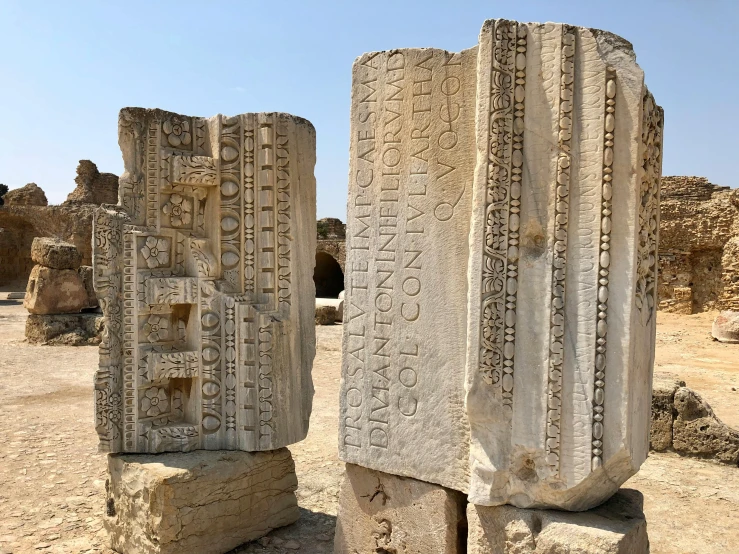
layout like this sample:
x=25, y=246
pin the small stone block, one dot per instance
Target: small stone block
x=325, y=315
x=379, y=512
x=55, y=253
x=616, y=527
x=55, y=291
x=204, y=502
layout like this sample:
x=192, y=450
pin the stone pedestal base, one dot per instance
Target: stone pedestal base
x=381, y=513
x=204, y=502
x=616, y=527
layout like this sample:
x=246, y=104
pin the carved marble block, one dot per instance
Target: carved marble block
x=555, y=235
x=204, y=273
x=411, y=172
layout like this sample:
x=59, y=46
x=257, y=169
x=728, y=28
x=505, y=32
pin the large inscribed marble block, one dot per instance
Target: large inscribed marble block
x=563, y=266
x=503, y=216
x=410, y=192
x=204, y=274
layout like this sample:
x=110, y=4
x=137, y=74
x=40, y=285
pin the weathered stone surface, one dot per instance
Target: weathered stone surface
x=325, y=315
x=697, y=221
x=88, y=276
x=204, y=273
x=93, y=187
x=30, y=195
x=55, y=291
x=65, y=329
x=698, y=432
x=663, y=412
x=563, y=265
x=55, y=253
x=411, y=164
x=559, y=311
x=616, y=527
x=726, y=327
x=19, y=225
x=200, y=502
x=382, y=513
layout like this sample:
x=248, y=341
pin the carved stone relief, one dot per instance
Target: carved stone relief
x=559, y=256
x=204, y=276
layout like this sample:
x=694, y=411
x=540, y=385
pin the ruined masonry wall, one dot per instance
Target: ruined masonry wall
x=696, y=272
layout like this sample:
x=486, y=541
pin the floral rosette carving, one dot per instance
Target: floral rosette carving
x=179, y=210
x=156, y=328
x=155, y=402
x=177, y=131
x=156, y=252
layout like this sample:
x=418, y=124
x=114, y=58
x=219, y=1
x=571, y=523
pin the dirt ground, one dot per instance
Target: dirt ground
x=52, y=477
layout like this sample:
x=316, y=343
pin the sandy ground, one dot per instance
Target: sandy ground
x=52, y=478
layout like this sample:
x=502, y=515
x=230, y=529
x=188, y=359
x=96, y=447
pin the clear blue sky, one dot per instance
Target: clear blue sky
x=66, y=69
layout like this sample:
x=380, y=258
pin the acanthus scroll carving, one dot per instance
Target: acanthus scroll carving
x=502, y=207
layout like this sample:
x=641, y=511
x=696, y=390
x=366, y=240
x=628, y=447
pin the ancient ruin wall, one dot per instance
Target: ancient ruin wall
x=26, y=216
x=698, y=220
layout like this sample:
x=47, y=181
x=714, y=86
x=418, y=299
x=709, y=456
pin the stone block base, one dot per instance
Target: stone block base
x=64, y=329
x=616, y=527
x=204, y=502
x=381, y=513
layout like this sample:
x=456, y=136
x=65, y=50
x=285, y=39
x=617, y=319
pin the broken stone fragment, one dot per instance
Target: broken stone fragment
x=495, y=166
x=55, y=253
x=64, y=329
x=29, y=195
x=204, y=274
x=698, y=432
x=55, y=291
x=726, y=327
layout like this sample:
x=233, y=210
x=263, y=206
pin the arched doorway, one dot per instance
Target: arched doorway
x=327, y=276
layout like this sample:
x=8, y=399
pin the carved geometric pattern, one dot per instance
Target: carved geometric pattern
x=609, y=126
x=561, y=209
x=200, y=331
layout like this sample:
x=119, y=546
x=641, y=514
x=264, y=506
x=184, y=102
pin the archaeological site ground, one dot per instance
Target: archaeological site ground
x=520, y=337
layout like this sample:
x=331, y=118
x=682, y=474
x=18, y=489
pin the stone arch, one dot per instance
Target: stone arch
x=328, y=276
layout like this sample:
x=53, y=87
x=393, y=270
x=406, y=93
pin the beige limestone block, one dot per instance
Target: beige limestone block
x=562, y=272
x=55, y=253
x=204, y=274
x=382, y=513
x=199, y=502
x=55, y=291
x=411, y=170
x=616, y=527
